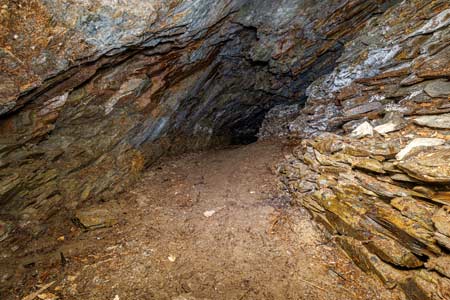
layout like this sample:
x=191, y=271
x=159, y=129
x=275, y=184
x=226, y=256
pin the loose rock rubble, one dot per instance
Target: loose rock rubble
x=381, y=210
x=374, y=167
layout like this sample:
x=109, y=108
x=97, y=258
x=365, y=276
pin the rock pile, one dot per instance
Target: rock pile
x=374, y=167
x=389, y=212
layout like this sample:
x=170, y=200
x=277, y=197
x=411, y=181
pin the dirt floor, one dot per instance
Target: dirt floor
x=209, y=225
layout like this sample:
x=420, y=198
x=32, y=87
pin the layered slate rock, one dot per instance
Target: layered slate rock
x=373, y=167
x=398, y=64
x=389, y=224
x=91, y=92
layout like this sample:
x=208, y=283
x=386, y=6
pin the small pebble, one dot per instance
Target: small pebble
x=209, y=213
x=172, y=258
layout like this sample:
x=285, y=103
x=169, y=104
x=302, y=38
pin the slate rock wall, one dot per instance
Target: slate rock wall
x=374, y=166
x=91, y=92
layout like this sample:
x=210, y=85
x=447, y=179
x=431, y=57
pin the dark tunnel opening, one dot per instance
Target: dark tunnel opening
x=245, y=132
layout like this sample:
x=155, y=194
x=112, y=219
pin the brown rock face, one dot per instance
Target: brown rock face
x=379, y=182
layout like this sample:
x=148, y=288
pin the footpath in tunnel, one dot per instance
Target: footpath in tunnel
x=208, y=225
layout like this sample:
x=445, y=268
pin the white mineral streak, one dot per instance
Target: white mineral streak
x=345, y=74
x=363, y=130
x=418, y=143
x=391, y=107
x=437, y=22
x=53, y=104
x=127, y=88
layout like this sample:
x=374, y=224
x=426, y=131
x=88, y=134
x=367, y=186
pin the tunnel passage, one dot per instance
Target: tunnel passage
x=93, y=93
x=92, y=97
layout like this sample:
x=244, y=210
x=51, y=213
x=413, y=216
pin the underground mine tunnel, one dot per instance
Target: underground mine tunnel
x=230, y=149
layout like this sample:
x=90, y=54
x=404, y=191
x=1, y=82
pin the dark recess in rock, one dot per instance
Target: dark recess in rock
x=93, y=92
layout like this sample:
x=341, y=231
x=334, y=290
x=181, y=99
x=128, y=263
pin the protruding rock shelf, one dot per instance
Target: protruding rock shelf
x=375, y=167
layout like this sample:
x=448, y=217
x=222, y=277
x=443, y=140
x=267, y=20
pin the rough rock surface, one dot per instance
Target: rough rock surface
x=373, y=168
x=93, y=91
x=381, y=219
x=398, y=63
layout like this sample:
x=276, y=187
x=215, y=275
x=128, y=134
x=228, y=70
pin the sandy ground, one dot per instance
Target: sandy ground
x=208, y=225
